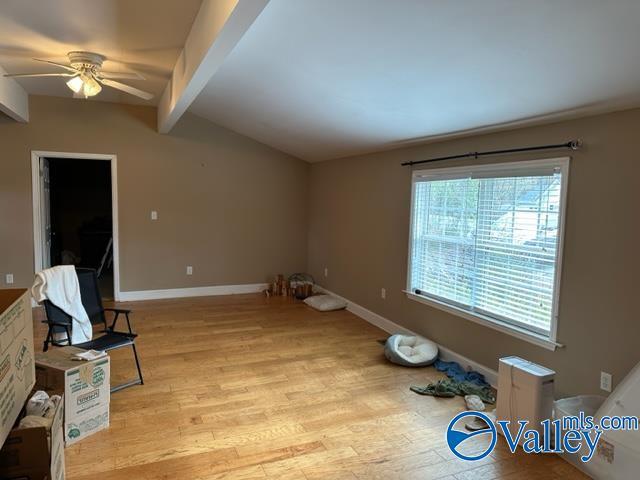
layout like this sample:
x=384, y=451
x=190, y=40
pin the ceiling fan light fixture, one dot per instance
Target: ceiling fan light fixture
x=85, y=78
x=91, y=87
x=75, y=84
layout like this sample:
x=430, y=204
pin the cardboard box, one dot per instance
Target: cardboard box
x=28, y=453
x=85, y=386
x=17, y=374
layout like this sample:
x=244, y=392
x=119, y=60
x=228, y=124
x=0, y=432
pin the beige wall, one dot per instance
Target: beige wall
x=231, y=207
x=359, y=214
x=237, y=211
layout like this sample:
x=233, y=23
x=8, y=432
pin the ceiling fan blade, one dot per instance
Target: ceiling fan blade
x=122, y=75
x=126, y=88
x=14, y=75
x=61, y=65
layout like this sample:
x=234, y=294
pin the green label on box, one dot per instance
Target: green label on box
x=97, y=378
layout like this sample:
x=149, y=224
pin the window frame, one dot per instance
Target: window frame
x=541, y=339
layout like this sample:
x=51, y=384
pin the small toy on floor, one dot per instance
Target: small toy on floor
x=474, y=403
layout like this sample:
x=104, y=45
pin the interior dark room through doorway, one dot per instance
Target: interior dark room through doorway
x=81, y=223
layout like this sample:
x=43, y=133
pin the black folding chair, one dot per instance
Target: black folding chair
x=59, y=322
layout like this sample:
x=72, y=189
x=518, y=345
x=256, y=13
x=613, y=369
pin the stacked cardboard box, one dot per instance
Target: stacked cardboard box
x=29, y=453
x=17, y=375
x=85, y=386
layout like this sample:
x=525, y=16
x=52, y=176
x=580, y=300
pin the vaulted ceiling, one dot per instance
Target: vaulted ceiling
x=324, y=79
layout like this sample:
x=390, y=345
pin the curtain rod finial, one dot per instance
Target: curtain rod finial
x=575, y=144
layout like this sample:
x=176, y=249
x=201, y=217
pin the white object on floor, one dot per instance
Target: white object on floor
x=476, y=424
x=60, y=286
x=410, y=350
x=525, y=393
x=325, y=303
x=89, y=355
x=474, y=403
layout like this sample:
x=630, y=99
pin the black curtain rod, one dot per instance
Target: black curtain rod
x=573, y=145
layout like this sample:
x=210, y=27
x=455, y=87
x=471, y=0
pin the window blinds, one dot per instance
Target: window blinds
x=487, y=242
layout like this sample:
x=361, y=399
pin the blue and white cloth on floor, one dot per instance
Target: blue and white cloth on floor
x=456, y=372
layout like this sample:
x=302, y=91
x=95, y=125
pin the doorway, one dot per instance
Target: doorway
x=75, y=214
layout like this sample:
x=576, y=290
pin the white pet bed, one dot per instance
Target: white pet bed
x=410, y=351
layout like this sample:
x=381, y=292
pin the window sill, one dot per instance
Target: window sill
x=522, y=334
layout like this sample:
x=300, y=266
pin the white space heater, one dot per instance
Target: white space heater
x=525, y=392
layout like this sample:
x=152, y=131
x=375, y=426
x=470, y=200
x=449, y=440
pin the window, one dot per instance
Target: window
x=486, y=242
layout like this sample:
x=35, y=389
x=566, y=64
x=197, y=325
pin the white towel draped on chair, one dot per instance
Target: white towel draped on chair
x=60, y=286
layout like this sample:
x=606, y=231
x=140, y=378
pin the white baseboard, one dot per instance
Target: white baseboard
x=191, y=292
x=388, y=326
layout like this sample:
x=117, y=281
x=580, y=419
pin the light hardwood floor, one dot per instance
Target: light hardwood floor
x=244, y=387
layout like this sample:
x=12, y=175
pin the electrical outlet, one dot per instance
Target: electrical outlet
x=326, y=272
x=383, y=293
x=189, y=270
x=605, y=381
x=9, y=278
x=154, y=215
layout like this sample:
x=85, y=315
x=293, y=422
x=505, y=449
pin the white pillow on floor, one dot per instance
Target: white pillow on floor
x=325, y=303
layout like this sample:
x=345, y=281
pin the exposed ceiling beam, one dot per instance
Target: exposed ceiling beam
x=14, y=100
x=217, y=29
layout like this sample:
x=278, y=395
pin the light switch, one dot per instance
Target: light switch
x=9, y=278
x=154, y=215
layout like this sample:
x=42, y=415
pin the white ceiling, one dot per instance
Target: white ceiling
x=323, y=79
x=141, y=35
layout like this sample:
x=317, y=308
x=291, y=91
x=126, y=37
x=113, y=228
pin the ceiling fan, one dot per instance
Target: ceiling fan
x=85, y=70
